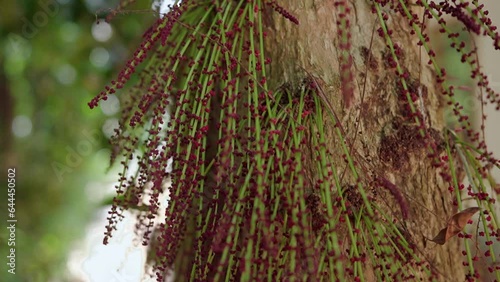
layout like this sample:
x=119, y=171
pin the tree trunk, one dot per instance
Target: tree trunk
x=376, y=124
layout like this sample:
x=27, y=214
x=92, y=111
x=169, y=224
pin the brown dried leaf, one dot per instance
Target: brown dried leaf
x=455, y=224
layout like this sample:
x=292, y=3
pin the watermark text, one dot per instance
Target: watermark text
x=11, y=220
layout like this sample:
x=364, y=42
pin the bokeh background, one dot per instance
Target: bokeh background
x=54, y=57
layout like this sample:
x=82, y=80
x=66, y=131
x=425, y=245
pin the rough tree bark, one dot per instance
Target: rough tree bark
x=389, y=146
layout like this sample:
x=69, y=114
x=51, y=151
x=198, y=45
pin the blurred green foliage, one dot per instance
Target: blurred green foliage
x=46, y=75
x=458, y=73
